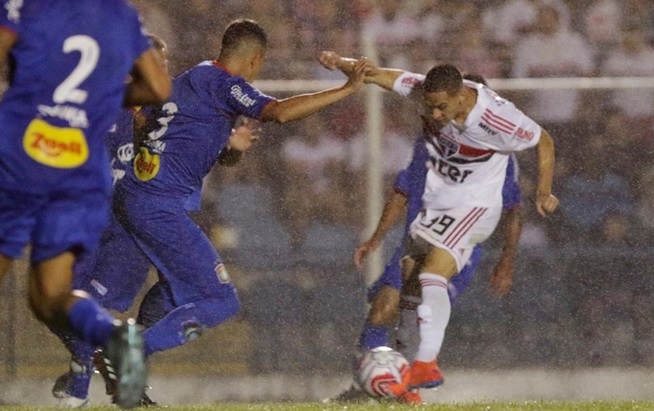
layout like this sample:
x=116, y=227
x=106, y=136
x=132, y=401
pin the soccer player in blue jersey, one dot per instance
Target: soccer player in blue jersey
x=116, y=272
x=112, y=274
x=68, y=62
x=181, y=145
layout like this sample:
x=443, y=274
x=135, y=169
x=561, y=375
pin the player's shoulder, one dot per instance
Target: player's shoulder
x=501, y=107
x=496, y=112
x=212, y=70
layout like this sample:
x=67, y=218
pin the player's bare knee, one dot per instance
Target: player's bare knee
x=47, y=307
x=383, y=315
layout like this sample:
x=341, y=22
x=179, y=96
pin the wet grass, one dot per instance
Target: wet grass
x=481, y=406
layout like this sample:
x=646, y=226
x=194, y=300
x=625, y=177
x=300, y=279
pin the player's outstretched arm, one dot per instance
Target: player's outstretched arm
x=394, y=209
x=303, y=105
x=502, y=276
x=383, y=77
x=546, y=202
x=149, y=83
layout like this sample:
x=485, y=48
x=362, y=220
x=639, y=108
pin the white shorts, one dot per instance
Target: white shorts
x=457, y=230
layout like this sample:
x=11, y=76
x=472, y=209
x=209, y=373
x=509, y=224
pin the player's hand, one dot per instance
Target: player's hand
x=329, y=60
x=502, y=278
x=244, y=135
x=362, y=252
x=546, y=203
x=356, y=77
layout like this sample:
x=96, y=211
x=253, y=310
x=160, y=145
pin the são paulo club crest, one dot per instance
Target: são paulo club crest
x=448, y=147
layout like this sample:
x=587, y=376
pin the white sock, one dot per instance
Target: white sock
x=408, y=335
x=433, y=314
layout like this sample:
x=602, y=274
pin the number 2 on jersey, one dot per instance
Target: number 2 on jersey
x=68, y=90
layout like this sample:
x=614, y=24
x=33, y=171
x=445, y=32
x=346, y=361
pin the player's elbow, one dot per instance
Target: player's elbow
x=274, y=112
x=545, y=139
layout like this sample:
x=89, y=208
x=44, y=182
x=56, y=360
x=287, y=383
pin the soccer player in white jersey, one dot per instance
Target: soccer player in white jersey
x=471, y=131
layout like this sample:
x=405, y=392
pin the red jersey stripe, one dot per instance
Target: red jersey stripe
x=464, y=227
x=500, y=119
x=473, y=152
x=496, y=125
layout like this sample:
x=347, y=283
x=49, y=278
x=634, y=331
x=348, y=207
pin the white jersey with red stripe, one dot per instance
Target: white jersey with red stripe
x=468, y=161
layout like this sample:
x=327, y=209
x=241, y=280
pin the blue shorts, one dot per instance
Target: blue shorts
x=392, y=275
x=175, y=245
x=52, y=223
x=115, y=272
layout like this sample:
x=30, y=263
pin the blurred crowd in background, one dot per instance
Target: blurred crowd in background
x=287, y=218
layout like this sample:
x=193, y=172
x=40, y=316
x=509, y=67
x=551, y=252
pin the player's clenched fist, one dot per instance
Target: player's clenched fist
x=546, y=204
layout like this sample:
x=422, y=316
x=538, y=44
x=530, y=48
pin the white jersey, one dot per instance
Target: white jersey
x=468, y=161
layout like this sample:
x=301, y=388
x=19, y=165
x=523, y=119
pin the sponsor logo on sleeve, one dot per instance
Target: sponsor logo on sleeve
x=54, y=146
x=240, y=96
x=524, y=134
x=487, y=129
x=410, y=81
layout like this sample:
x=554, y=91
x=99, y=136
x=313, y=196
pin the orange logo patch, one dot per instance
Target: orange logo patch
x=54, y=146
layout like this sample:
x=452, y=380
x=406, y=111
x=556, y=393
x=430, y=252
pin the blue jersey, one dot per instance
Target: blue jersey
x=120, y=143
x=411, y=182
x=67, y=83
x=191, y=129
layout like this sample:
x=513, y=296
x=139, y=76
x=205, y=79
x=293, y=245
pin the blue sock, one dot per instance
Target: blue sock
x=92, y=323
x=81, y=369
x=373, y=336
x=155, y=305
x=187, y=322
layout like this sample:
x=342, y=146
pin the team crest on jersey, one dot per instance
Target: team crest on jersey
x=221, y=273
x=146, y=165
x=448, y=147
x=58, y=147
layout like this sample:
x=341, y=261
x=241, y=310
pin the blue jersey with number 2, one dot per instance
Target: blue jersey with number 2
x=67, y=84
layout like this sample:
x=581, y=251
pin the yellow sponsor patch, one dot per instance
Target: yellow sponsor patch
x=58, y=147
x=146, y=165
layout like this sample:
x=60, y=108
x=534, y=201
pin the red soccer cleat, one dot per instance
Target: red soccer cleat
x=420, y=375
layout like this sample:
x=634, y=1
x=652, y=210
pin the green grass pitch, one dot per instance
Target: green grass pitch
x=481, y=406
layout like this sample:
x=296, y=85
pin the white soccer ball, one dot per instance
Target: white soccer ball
x=380, y=367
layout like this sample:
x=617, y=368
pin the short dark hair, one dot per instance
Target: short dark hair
x=443, y=77
x=241, y=30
